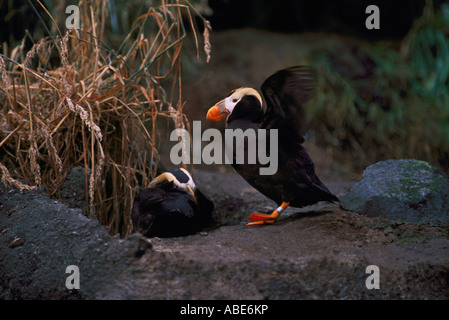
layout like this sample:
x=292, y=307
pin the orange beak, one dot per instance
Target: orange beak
x=217, y=112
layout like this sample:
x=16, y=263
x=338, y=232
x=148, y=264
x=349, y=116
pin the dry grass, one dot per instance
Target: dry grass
x=97, y=108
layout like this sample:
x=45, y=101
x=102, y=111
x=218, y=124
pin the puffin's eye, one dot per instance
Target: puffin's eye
x=235, y=100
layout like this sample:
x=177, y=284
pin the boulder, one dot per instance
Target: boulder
x=404, y=190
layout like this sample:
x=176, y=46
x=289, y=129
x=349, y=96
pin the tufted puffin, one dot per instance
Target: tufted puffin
x=172, y=206
x=295, y=182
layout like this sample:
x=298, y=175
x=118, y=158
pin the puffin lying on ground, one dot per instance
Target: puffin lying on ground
x=172, y=206
x=295, y=182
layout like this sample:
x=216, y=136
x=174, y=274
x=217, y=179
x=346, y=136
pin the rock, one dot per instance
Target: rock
x=73, y=191
x=405, y=190
x=16, y=242
x=138, y=244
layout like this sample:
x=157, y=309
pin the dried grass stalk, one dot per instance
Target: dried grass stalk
x=206, y=36
x=98, y=108
x=8, y=180
x=5, y=78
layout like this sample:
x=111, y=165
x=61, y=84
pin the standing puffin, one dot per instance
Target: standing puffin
x=172, y=206
x=295, y=182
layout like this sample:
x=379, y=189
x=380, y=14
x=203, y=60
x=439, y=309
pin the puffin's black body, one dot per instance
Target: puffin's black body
x=167, y=210
x=295, y=182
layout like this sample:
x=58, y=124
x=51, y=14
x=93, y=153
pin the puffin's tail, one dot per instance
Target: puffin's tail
x=326, y=194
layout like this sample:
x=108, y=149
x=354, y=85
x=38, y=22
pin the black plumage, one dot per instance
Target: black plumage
x=172, y=206
x=295, y=182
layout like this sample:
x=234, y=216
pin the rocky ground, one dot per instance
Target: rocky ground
x=318, y=252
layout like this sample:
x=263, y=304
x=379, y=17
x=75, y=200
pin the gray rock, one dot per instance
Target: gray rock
x=405, y=190
x=74, y=190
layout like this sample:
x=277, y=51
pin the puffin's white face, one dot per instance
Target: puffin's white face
x=185, y=184
x=229, y=103
x=222, y=110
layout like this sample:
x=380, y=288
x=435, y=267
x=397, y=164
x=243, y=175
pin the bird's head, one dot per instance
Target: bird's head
x=242, y=98
x=181, y=180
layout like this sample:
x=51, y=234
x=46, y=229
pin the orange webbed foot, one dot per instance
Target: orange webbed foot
x=264, y=218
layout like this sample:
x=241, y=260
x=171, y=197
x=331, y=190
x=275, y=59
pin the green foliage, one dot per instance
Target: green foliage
x=376, y=102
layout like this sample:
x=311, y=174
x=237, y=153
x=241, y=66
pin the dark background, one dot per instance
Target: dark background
x=296, y=16
x=288, y=16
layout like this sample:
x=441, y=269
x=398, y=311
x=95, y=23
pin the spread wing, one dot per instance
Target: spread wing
x=285, y=93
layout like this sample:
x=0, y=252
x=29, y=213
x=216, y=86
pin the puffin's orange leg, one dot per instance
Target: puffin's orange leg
x=263, y=218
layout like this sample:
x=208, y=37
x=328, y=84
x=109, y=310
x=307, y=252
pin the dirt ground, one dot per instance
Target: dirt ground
x=317, y=252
